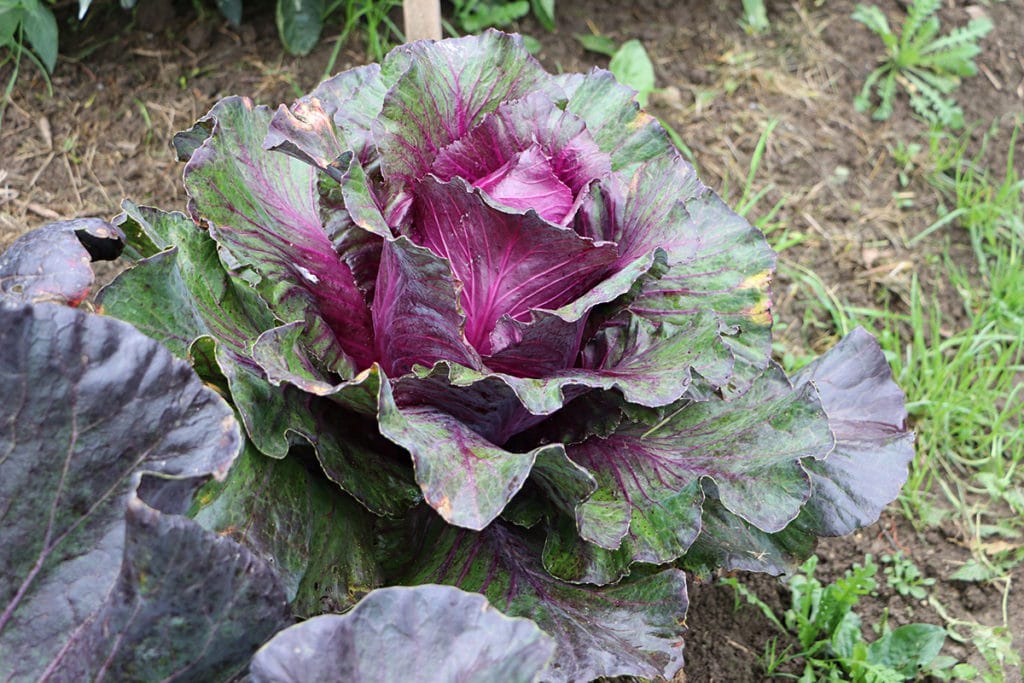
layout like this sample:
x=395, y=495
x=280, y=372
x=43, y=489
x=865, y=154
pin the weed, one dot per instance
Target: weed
x=375, y=16
x=475, y=15
x=927, y=66
x=755, y=17
x=904, y=577
x=994, y=643
x=750, y=197
x=965, y=390
x=632, y=66
x=906, y=157
x=830, y=636
x=31, y=22
x=472, y=16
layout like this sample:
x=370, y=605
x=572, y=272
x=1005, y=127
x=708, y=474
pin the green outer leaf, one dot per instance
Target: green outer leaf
x=282, y=356
x=465, y=477
x=746, y=452
x=90, y=404
x=564, y=482
x=572, y=559
x=182, y=294
x=347, y=445
x=730, y=274
x=428, y=634
x=850, y=487
x=361, y=200
x=181, y=291
x=184, y=298
x=357, y=458
x=633, y=628
x=652, y=365
x=730, y=543
x=299, y=23
x=595, y=413
x=319, y=539
x=614, y=119
x=264, y=208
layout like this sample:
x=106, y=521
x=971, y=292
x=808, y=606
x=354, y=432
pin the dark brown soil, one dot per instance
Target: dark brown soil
x=125, y=84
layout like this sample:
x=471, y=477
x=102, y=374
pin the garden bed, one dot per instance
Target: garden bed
x=851, y=194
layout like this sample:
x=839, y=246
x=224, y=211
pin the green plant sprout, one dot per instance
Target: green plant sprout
x=26, y=22
x=904, y=577
x=473, y=16
x=755, y=17
x=924, y=64
x=381, y=33
x=993, y=643
x=830, y=635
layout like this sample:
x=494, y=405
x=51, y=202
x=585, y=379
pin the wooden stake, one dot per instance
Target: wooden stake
x=422, y=19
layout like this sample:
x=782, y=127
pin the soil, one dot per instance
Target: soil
x=125, y=83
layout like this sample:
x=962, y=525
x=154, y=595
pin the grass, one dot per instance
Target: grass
x=372, y=18
x=962, y=366
x=964, y=382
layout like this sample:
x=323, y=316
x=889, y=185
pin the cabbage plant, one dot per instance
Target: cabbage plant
x=482, y=326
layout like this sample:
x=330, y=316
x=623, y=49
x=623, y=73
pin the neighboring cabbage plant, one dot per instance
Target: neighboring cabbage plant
x=484, y=327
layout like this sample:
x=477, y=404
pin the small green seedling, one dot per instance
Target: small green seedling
x=630, y=62
x=755, y=17
x=924, y=64
x=632, y=66
x=904, y=577
x=474, y=16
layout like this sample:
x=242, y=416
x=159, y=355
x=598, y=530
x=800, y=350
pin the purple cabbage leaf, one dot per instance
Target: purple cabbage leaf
x=632, y=628
x=51, y=263
x=181, y=295
x=849, y=488
x=445, y=635
x=94, y=410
